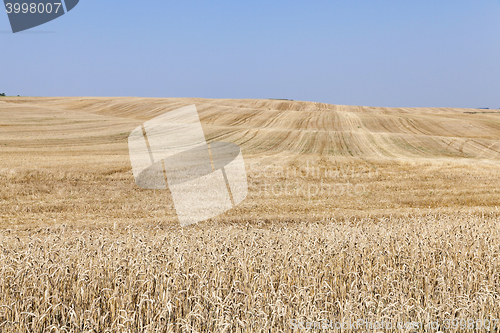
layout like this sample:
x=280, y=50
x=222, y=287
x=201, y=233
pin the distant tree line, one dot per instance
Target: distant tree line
x=2, y=94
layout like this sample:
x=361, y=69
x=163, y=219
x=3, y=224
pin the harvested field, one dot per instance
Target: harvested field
x=353, y=213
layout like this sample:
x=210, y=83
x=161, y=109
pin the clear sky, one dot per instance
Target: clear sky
x=356, y=52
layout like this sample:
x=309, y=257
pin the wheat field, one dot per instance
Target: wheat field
x=354, y=215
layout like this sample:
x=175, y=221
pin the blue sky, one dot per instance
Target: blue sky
x=415, y=53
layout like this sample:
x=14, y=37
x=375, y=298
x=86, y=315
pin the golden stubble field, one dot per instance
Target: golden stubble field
x=353, y=214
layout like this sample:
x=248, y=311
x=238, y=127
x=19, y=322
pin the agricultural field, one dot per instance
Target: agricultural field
x=354, y=214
